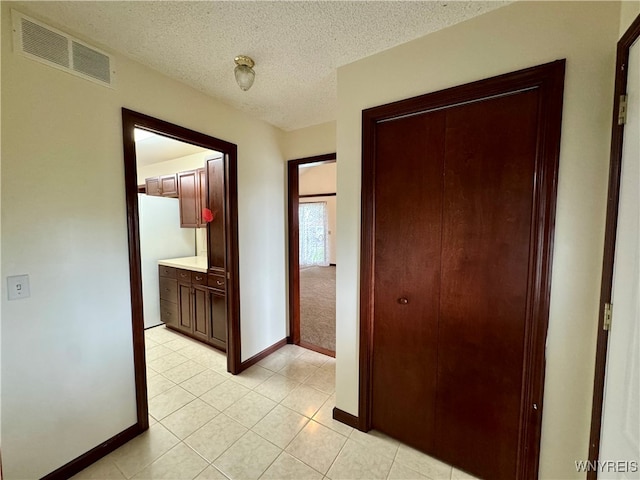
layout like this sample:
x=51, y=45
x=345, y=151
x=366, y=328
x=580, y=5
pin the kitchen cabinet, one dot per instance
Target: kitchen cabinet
x=169, y=296
x=192, y=193
x=162, y=186
x=194, y=303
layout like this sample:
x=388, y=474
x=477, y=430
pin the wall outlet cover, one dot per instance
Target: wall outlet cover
x=18, y=287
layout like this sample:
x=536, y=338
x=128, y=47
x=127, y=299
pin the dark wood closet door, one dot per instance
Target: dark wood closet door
x=487, y=215
x=408, y=205
x=453, y=213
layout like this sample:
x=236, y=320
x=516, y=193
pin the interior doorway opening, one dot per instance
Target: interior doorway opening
x=221, y=239
x=312, y=261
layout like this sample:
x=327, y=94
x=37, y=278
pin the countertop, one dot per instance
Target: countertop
x=196, y=264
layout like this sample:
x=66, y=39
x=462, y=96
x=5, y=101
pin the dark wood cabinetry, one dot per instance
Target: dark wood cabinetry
x=194, y=303
x=192, y=190
x=169, y=297
x=162, y=186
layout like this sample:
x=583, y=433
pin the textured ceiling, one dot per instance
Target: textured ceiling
x=297, y=46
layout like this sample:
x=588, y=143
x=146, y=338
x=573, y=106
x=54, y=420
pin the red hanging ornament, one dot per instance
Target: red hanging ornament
x=208, y=215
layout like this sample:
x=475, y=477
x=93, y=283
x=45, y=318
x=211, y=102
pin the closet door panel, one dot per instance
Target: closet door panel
x=408, y=206
x=487, y=217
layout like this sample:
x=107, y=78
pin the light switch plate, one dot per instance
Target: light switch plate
x=18, y=286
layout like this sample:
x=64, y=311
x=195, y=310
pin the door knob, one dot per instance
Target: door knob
x=403, y=301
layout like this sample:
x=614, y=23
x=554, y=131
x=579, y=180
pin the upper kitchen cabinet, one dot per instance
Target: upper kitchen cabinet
x=162, y=186
x=192, y=192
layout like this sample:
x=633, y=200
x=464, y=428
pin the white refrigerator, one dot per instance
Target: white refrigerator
x=160, y=238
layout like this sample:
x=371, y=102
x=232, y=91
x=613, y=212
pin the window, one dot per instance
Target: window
x=313, y=234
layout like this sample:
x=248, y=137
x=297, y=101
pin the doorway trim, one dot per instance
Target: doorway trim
x=611, y=225
x=549, y=80
x=293, y=203
x=131, y=120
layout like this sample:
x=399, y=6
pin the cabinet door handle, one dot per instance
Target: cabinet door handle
x=198, y=278
x=219, y=282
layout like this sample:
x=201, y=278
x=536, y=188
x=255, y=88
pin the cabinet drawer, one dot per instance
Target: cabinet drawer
x=169, y=289
x=217, y=281
x=168, y=272
x=169, y=312
x=183, y=276
x=198, y=278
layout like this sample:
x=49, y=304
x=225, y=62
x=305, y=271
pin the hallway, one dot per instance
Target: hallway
x=273, y=421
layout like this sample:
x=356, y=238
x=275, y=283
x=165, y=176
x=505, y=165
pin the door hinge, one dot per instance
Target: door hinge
x=606, y=324
x=622, y=110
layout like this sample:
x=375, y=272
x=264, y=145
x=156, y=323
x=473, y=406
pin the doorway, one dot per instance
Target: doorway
x=615, y=420
x=312, y=240
x=226, y=170
x=458, y=198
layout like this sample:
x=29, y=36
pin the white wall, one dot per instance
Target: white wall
x=520, y=35
x=310, y=141
x=629, y=10
x=67, y=364
x=160, y=238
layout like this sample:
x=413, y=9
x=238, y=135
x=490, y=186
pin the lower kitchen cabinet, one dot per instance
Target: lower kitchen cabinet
x=191, y=306
x=201, y=312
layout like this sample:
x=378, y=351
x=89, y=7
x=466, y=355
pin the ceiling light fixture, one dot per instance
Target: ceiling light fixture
x=244, y=72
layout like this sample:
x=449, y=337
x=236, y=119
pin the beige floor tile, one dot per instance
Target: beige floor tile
x=224, y=395
x=317, y=446
x=161, y=334
x=287, y=467
x=152, y=420
x=274, y=362
x=169, y=401
x=136, y=454
x=167, y=362
x=356, y=461
x=252, y=376
x=211, y=358
x=280, y=425
x=305, y=400
x=376, y=442
x=325, y=417
x=292, y=351
x=178, y=344
x=178, y=463
x=149, y=344
x=422, y=463
x=400, y=472
x=184, y=371
x=202, y=382
x=103, y=469
x=215, y=437
x=158, y=384
x=298, y=370
x=211, y=473
x=153, y=353
x=188, y=419
x=314, y=358
x=323, y=380
x=248, y=458
x=460, y=475
x=250, y=409
x=277, y=387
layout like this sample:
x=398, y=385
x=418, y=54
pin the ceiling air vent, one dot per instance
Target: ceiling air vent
x=45, y=44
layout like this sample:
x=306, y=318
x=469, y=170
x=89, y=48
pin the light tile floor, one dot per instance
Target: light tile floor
x=273, y=421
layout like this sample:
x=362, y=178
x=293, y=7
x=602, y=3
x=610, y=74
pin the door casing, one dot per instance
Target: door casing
x=549, y=79
x=615, y=169
x=130, y=121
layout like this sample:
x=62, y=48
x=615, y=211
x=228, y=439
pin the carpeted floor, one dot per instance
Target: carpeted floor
x=318, y=306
